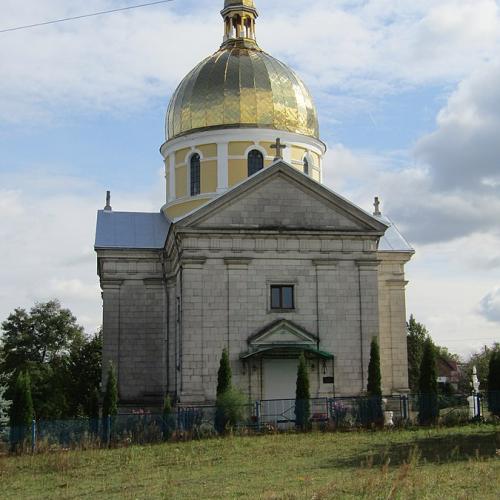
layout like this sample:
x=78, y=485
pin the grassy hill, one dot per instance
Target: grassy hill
x=441, y=463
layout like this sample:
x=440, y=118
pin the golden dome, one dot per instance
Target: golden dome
x=241, y=86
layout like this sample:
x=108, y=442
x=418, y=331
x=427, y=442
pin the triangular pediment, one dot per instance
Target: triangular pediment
x=282, y=333
x=280, y=197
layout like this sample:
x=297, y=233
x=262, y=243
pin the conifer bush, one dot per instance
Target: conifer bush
x=428, y=407
x=21, y=411
x=302, y=396
x=224, y=381
x=494, y=384
x=110, y=404
x=168, y=418
x=374, y=387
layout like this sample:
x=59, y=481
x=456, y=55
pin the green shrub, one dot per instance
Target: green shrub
x=494, y=384
x=110, y=404
x=233, y=406
x=302, y=396
x=428, y=408
x=168, y=419
x=375, y=412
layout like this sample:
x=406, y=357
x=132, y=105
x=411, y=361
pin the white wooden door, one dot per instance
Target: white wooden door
x=280, y=378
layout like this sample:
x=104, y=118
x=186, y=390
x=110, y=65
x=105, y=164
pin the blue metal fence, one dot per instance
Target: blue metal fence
x=188, y=422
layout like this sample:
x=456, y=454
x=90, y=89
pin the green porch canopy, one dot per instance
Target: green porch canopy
x=286, y=349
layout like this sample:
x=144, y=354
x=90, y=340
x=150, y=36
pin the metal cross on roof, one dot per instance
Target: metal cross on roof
x=278, y=147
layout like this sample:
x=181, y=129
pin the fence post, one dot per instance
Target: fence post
x=257, y=414
x=33, y=436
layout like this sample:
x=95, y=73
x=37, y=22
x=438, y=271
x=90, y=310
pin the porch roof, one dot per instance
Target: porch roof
x=286, y=348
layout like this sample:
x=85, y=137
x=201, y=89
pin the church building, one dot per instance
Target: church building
x=250, y=252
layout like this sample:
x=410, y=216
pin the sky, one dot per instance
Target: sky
x=408, y=95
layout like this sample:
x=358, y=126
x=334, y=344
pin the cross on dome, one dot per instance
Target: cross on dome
x=278, y=147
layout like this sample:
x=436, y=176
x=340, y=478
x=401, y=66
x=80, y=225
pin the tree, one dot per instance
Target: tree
x=39, y=342
x=428, y=388
x=494, y=384
x=374, y=388
x=93, y=412
x=481, y=361
x=417, y=335
x=110, y=403
x=224, y=381
x=84, y=375
x=21, y=411
x=4, y=410
x=302, y=396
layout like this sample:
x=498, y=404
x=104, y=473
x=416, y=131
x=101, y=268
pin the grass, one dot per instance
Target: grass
x=437, y=463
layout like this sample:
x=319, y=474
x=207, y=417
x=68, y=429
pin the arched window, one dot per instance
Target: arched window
x=194, y=175
x=306, y=166
x=255, y=162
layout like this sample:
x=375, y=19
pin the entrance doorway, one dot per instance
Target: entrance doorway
x=280, y=377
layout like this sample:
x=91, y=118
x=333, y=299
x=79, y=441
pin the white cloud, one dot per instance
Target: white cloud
x=490, y=306
x=356, y=51
x=47, y=241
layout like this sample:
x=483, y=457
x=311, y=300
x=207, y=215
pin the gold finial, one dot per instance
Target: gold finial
x=278, y=147
x=239, y=21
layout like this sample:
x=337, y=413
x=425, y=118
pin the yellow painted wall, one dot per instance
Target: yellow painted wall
x=315, y=175
x=268, y=163
x=267, y=147
x=238, y=170
x=208, y=150
x=183, y=208
x=180, y=156
x=238, y=148
x=181, y=181
x=209, y=176
x=298, y=153
x=315, y=158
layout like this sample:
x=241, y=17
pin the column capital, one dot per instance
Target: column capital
x=368, y=265
x=111, y=284
x=237, y=262
x=193, y=262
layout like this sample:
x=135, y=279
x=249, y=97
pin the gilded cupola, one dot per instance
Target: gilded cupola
x=241, y=86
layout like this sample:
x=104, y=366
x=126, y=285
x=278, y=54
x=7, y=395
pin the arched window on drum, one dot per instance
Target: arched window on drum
x=255, y=162
x=306, y=165
x=195, y=174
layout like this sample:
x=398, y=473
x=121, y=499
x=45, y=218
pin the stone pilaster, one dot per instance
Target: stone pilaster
x=191, y=341
x=369, y=313
x=111, y=327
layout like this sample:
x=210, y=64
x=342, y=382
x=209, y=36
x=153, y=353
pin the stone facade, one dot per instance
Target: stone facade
x=169, y=313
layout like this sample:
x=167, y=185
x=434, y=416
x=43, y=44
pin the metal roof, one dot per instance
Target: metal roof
x=393, y=240
x=131, y=230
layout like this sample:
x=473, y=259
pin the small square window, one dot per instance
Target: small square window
x=282, y=297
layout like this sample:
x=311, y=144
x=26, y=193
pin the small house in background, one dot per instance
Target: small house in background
x=448, y=372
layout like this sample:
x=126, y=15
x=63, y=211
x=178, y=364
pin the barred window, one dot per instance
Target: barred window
x=195, y=175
